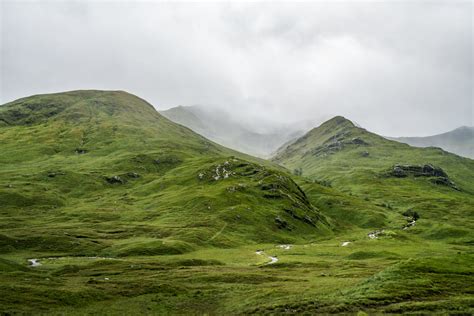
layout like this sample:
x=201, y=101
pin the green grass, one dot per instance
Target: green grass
x=127, y=214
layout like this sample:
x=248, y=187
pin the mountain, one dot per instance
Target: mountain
x=459, y=141
x=109, y=208
x=101, y=174
x=107, y=157
x=427, y=195
x=222, y=128
x=387, y=172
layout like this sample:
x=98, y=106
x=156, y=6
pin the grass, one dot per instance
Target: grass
x=177, y=231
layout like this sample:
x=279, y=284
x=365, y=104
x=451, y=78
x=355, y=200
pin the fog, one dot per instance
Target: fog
x=397, y=68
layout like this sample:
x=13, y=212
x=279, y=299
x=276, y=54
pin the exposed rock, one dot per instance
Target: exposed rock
x=358, y=141
x=34, y=262
x=281, y=223
x=444, y=181
x=437, y=174
x=52, y=174
x=365, y=154
x=133, y=175
x=402, y=171
x=81, y=151
x=309, y=220
x=115, y=180
x=375, y=234
x=337, y=143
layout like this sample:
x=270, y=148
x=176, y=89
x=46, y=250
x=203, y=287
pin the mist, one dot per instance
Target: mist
x=396, y=68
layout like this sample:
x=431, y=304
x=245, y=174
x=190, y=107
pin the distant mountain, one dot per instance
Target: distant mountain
x=459, y=141
x=220, y=127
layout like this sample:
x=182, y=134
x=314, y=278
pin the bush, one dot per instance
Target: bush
x=411, y=213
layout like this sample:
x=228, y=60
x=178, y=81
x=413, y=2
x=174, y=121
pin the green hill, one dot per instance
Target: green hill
x=435, y=183
x=95, y=158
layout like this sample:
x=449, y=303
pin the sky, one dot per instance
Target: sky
x=398, y=68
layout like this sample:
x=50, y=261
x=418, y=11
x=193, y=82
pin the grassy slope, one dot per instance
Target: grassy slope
x=171, y=241
x=445, y=211
x=159, y=163
x=359, y=170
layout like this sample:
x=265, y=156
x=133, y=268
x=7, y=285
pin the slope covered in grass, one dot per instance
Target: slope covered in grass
x=389, y=174
x=103, y=173
x=108, y=208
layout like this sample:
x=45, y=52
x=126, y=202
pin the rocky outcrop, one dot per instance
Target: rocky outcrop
x=338, y=142
x=402, y=171
x=444, y=181
x=271, y=185
x=438, y=176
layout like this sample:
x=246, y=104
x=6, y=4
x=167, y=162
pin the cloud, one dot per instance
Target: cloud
x=398, y=68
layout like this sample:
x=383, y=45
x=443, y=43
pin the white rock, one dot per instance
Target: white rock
x=34, y=262
x=272, y=260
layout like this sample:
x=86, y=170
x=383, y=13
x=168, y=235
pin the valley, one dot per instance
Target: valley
x=107, y=207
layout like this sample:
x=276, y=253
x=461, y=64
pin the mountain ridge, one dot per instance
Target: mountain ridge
x=459, y=141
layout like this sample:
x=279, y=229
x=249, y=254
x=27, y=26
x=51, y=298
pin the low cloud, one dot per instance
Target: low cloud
x=397, y=68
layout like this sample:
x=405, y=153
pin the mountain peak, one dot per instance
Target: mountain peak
x=338, y=121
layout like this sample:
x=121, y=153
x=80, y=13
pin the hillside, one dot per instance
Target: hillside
x=427, y=196
x=459, y=141
x=92, y=156
x=436, y=183
x=107, y=207
x=222, y=128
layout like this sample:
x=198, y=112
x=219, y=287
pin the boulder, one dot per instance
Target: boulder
x=115, y=180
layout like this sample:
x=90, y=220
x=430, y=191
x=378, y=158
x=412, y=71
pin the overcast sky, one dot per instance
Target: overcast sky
x=398, y=68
